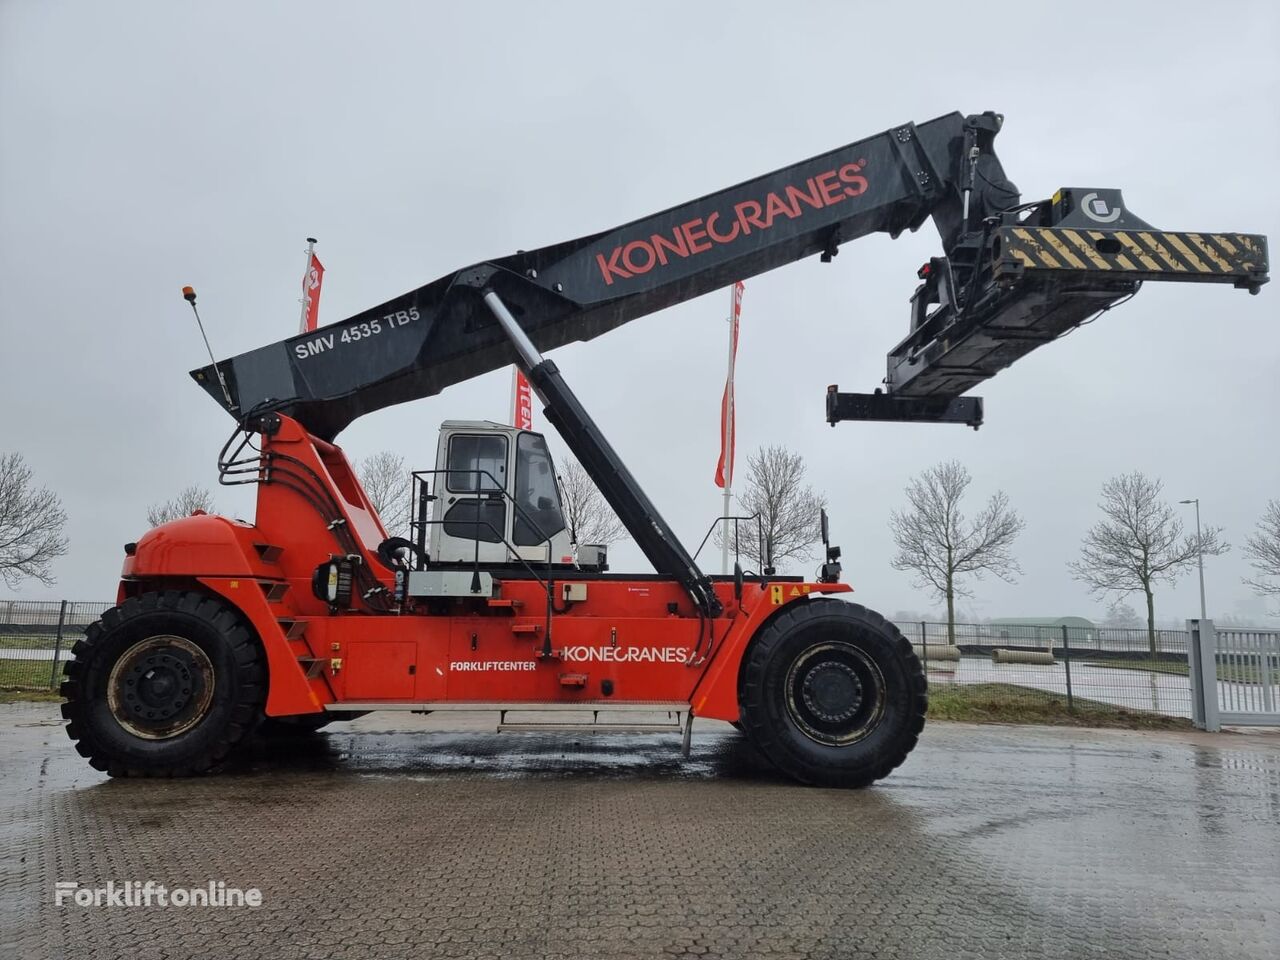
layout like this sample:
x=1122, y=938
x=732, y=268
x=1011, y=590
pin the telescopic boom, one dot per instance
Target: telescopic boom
x=1012, y=276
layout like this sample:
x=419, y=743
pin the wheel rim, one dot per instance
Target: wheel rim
x=835, y=693
x=160, y=687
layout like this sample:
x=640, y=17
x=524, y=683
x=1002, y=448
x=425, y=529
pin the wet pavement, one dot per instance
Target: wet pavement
x=393, y=838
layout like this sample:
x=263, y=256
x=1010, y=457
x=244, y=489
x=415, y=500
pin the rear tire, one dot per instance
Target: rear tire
x=832, y=694
x=165, y=685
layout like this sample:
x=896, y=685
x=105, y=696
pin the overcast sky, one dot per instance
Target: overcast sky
x=146, y=146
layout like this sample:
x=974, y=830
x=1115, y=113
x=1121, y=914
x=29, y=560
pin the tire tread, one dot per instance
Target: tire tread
x=242, y=716
x=753, y=694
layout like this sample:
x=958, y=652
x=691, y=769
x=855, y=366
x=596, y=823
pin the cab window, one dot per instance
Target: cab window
x=474, y=519
x=539, y=516
x=469, y=455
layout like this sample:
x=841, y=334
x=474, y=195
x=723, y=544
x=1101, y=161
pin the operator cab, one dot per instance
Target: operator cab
x=495, y=497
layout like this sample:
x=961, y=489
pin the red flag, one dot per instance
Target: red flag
x=311, y=291
x=521, y=400
x=728, y=425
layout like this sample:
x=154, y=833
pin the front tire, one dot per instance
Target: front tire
x=165, y=685
x=832, y=694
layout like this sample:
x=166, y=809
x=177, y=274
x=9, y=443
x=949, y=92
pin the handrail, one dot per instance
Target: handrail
x=268, y=466
x=759, y=534
x=501, y=539
x=420, y=523
x=497, y=489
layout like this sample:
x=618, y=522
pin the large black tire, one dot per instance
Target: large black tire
x=832, y=694
x=165, y=685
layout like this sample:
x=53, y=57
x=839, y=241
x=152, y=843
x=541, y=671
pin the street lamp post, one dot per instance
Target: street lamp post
x=1199, y=555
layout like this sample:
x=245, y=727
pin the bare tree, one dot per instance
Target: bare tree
x=1263, y=550
x=789, y=510
x=388, y=485
x=936, y=543
x=1139, y=544
x=1121, y=614
x=31, y=524
x=186, y=503
x=587, y=514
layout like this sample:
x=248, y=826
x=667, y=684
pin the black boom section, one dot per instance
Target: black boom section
x=624, y=494
x=1024, y=277
x=421, y=342
x=1013, y=276
x=633, y=507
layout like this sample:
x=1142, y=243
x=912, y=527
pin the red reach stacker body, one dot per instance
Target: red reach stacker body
x=627, y=636
x=315, y=612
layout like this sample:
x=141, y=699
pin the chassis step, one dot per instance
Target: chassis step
x=510, y=706
x=616, y=715
x=678, y=721
x=534, y=727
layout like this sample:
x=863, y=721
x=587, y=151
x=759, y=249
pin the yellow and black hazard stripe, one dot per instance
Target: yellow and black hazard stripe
x=1148, y=253
x=780, y=593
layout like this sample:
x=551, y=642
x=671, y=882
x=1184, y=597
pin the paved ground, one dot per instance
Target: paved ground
x=373, y=842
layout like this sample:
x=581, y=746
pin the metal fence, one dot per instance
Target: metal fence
x=1235, y=675
x=1019, y=670
x=36, y=638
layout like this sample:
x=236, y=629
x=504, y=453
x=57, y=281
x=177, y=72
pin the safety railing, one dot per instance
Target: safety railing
x=761, y=543
x=421, y=520
x=236, y=468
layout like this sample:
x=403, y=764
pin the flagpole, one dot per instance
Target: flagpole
x=306, y=285
x=727, y=427
x=515, y=396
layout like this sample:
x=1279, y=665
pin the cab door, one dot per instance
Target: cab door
x=538, y=525
x=473, y=469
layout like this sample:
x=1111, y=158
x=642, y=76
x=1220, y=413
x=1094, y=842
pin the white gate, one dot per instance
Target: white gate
x=1235, y=676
